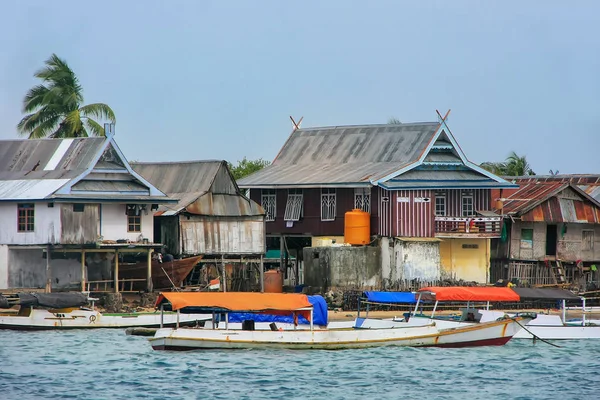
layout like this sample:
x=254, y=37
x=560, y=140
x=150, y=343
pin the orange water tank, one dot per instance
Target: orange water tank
x=357, y=227
x=273, y=281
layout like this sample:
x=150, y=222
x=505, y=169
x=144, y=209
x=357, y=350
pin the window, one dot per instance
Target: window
x=134, y=218
x=293, y=207
x=440, y=204
x=587, y=240
x=362, y=199
x=78, y=207
x=527, y=238
x=470, y=246
x=268, y=200
x=25, y=217
x=327, y=204
x=467, y=206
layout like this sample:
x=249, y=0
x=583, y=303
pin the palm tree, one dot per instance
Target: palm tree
x=518, y=166
x=55, y=108
x=496, y=168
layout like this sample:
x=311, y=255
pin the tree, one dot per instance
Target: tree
x=394, y=121
x=55, y=106
x=514, y=165
x=246, y=167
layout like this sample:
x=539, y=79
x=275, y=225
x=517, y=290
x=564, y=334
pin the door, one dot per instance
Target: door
x=551, y=237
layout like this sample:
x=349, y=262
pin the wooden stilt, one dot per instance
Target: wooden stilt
x=48, y=271
x=149, y=285
x=83, y=271
x=116, y=271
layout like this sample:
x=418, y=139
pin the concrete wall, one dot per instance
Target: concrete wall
x=27, y=269
x=213, y=235
x=46, y=227
x=569, y=247
x=416, y=261
x=466, y=259
x=3, y=266
x=114, y=223
x=342, y=267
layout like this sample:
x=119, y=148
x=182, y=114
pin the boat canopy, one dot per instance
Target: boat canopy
x=269, y=303
x=391, y=297
x=455, y=293
x=545, y=294
x=44, y=300
x=320, y=315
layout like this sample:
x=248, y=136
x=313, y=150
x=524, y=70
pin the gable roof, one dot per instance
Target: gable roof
x=551, y=202
x=589, y=183
x=70, y=169
x=369, y=155
x=201, y=187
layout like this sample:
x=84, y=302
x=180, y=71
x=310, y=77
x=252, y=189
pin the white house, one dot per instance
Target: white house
x=77, y=200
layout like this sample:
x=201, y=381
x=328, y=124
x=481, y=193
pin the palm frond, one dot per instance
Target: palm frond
x=94, y=127
x=44, y=129
x=34, y=98
x=74, y=124
x=98, y=110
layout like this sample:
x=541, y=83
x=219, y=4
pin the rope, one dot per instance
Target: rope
x=536, y=336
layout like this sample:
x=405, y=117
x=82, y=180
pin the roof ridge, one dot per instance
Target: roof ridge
x=366, y=126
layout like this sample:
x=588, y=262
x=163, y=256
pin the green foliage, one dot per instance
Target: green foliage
x=55, y=108
x=246, y=167
x=394, y=121
x=514, y=165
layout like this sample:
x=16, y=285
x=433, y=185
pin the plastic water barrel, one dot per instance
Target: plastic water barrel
x=273, y=281
x=357, y=227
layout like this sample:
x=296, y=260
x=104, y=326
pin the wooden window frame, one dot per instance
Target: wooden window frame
x=25, y=217
x=472, y=205
x=268, y=201
x=443, y=205
x=294, y=206
x=362, y=199
x=134, y=219
x=587, y=243
x=328, y=204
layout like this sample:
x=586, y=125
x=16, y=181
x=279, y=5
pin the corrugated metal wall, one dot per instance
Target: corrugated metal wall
x=414, y=213
x=222, y=236
x=481, y=200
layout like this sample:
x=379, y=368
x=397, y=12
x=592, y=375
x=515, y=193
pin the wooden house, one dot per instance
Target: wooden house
x=552, y=233
x=430, y=207
x=212, y=217
x=69, y=209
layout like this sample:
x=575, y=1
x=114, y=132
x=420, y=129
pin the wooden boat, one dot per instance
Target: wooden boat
x=484, y=334
x=53, y=311
x=165, y=275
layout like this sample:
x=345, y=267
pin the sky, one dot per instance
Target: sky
x=193, y=80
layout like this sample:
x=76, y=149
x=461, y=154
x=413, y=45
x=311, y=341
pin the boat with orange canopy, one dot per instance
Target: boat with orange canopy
x=178, y=338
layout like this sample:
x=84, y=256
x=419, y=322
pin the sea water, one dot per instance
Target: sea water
x=107, y=364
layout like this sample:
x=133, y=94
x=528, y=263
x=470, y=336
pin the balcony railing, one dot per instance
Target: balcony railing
x=468, y=226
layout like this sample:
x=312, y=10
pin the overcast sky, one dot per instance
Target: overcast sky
x=195, y=80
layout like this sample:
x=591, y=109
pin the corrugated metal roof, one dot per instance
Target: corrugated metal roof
x=589, y=183
x=344, y=154
x=440, y=179
x=29, y=189
x=551, y=201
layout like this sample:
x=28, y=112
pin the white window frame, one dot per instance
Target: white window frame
x=328, y=200
x=441, y=205
x=362, y=199
x=268, y=201
x=587, y=243
x=471, y=206
x=294, y=205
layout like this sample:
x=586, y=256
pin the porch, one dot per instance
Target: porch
x=481, y=227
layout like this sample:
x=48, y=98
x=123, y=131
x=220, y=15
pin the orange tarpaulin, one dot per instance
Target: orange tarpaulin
x=238, y=301
x=454, y=293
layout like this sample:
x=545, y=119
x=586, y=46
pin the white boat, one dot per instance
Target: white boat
x=484, y=334
x=66, y=311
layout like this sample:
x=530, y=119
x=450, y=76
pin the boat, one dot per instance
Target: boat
x=56, y=311
x=178, y=338
x=165, y=275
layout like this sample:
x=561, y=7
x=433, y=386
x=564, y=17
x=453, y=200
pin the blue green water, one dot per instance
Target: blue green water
x=107, y=364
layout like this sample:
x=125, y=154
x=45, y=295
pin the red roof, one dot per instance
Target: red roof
x=475, y=293
x=539, y=200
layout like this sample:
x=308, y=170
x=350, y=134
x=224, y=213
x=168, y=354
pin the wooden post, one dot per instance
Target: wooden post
x=224, y=273
x=116, y=271
x=83, y=270
x=262, y=274
x=281, y=251
x=149, y=285
x=48, y=271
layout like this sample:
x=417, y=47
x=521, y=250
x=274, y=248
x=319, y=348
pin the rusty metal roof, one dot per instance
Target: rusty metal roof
x=344, y=154
x=201, y=187
x=551, y=201
x=589, y=183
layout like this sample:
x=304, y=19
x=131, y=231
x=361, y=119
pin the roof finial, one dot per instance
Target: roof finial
x=444, y=118
x=296, y=125
x=109, y=130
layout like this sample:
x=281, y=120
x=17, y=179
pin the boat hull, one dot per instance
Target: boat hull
x=40, y=319
x=174, y=271
x=493, y=333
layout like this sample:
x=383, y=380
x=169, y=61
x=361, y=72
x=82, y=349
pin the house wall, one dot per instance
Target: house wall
x=415, y=261
x=79, y=227
x=169, y=233
x=414, y=213
x=342, y=267
x=46, y=228
x=114, y=223
x=459, y=260
x=569, y=247
x=27, y=269
x=310, y=223
x=3, y=266
x=214, y=235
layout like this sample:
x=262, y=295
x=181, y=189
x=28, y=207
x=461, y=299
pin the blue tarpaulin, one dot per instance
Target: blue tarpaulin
x=391, y=297
x=319, y=314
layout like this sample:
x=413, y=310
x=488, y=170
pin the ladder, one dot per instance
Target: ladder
x=558, y=272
